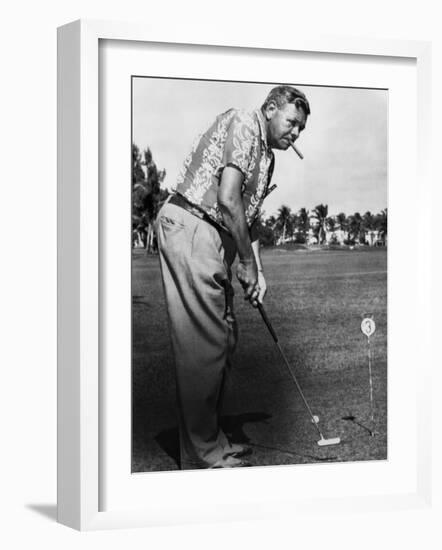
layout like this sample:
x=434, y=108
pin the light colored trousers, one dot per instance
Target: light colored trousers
x=196, y=269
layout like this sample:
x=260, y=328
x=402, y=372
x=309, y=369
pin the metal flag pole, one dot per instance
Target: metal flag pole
x=371, y=380
x=368, y=327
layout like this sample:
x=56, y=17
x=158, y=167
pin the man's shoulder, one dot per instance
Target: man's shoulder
x=247, y=118
x=240, y=116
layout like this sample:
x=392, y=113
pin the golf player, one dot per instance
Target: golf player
x=204, y=225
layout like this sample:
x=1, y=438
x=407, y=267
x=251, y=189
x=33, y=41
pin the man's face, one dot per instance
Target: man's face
x=284, y=125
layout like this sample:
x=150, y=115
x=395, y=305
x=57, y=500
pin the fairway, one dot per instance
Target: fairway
x=316, y=300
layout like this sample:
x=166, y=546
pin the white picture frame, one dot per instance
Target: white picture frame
x=79, y=278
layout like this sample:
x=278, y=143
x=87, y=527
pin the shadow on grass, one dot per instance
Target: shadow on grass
x=168, y=440
x=233, y=427
x=352, y=418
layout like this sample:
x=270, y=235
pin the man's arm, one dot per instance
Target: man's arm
x=232, y=209
x=262, y=285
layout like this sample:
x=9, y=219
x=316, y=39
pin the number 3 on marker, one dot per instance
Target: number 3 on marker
x=368, y=326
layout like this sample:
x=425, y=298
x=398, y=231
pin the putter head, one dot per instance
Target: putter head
x=332, y=441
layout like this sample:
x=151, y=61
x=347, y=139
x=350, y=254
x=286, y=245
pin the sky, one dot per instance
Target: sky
x=344, y=143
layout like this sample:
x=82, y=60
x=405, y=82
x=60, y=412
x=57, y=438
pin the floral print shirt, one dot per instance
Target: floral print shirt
x=237, y=138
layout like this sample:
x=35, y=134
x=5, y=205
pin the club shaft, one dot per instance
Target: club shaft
x=301, y=393
x=292, y=376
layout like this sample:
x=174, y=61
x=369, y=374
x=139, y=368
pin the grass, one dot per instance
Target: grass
x=316, y=301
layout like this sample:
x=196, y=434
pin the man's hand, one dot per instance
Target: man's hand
x=247, y=274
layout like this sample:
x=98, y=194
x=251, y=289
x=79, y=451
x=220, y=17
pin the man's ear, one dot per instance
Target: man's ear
x=270, y=110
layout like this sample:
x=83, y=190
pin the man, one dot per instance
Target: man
x=211, y=218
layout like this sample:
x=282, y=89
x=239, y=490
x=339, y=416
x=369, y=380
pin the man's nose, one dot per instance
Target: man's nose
x=295, y=133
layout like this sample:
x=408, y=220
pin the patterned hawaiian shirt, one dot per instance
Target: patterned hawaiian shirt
x=236, y=138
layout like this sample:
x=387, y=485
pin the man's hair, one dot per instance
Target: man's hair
x=287, y=94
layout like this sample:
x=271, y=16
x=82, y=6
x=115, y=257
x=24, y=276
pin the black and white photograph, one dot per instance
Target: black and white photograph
x=258, y=273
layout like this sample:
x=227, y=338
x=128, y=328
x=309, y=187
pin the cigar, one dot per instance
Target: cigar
x=300, y=155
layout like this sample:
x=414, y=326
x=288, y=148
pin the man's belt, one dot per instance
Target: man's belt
x=182, y=202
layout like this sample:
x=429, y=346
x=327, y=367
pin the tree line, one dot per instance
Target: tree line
x=317, y=227
x=300, y=227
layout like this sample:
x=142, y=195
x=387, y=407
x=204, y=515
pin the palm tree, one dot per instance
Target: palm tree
x=293, y=222
x=368, y=226
x=283, y=221
x=137, y=171
x=270, y=222
x=147, y=194
x=381, y=223
x=320, y=212
x=303, y=223
x=355, y=227
x=330, y=225
x=342, y=223
x=341, y=220
x=265, y=227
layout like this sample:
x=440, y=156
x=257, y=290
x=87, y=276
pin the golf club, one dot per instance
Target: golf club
x=323, y=441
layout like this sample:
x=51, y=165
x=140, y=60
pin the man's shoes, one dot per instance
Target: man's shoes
x=229, y=461
x=236, y=450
